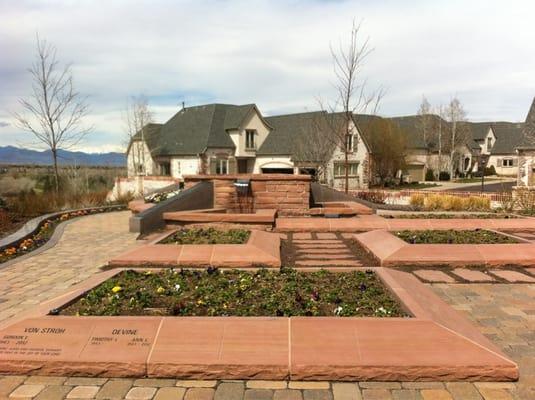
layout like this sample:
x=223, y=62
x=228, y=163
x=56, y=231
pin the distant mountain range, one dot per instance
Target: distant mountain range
x=19, y=156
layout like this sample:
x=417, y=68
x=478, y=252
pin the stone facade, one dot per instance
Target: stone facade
x=288, y=194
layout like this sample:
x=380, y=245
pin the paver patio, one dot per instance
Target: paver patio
x=503, y=312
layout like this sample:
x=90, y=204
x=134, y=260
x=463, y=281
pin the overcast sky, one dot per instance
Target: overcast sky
x=272, y=53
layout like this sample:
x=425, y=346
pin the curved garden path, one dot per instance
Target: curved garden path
x=86, y=244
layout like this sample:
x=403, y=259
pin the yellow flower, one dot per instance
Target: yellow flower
x=116, y=289
x=200, y=302
x=160, y=290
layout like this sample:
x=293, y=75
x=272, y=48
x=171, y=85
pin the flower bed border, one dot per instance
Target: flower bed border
x=438, y=343
x=261, y=249
x=33, y=227
x=392, y=251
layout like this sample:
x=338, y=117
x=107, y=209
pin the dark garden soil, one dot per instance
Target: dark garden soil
x=207, y=236
x=451, y=216
x=214, y=292
x=478, y=236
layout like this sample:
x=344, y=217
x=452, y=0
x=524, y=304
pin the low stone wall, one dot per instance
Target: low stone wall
x=288, y=194
x=139, y=185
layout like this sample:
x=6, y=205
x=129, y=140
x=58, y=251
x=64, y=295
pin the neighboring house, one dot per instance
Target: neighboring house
x=230, y=139
x=503, y=156
x=289, y=146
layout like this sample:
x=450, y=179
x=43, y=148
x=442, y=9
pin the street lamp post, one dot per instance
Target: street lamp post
x=484, y=161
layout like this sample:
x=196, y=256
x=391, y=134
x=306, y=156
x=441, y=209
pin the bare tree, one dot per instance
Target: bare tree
x=313, y=148
x=440, y=138
x=54, y=111
x=458, y=132
x=389, y=148
x=136, y=118
x=425, y=121
x=353, y=97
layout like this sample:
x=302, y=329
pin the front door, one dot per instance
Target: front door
x=242, y=166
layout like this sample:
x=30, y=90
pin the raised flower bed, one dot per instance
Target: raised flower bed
x=239, y=293
x=44, y=232
x=450, y=216
x=477, y=236
x=207, y=236
x=435, y=344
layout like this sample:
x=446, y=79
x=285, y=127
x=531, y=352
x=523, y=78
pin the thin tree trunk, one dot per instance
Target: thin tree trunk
x=56, y=172
x=347, y=170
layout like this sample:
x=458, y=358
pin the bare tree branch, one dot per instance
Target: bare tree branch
x=353, y=96
x=136, y=117
x=54, y=111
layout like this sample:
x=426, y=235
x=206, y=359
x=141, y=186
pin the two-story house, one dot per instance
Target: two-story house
x=236, y=139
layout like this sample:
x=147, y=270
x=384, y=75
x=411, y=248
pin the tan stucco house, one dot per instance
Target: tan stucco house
x=235, y=139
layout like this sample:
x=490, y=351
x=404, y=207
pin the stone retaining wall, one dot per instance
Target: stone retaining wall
x=288, y=194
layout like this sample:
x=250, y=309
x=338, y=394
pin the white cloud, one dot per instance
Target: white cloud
x=273, y=53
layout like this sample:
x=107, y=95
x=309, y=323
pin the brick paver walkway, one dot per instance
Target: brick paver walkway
x=505, y=313
x=86, y=244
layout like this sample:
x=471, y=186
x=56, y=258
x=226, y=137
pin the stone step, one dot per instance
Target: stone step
x=328, y=263
x=315, y=250
x=317, y=241
x=325, y=256
x=321, y=246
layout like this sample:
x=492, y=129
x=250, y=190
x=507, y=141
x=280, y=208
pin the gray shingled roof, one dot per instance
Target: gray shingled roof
x=288, y=132
x=529, y=126
x=509, y=136
x=193, y=129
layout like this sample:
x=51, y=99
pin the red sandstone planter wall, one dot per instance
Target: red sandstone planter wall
x=289, y=194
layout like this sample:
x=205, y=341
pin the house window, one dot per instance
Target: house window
x=507, y=162
x=250, y=139
x=178, y=168
x=340, y=171
x=349, y=143
x=489, y=144
x=165, y=169
x=221, y=167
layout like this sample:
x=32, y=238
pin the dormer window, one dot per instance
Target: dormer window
x=250, y=139
x=489, y=144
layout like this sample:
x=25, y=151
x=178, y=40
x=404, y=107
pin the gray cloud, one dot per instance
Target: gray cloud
x=273, y=53
x=4, y=124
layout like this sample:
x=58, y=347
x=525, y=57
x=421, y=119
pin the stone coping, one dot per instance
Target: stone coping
x=341, y=208
x=252, y=177
x=390, y=250
x=137, y=206
x=437, y=343
x=261, y=249
x=261, y=216
x=31, y=227
x=371, y=222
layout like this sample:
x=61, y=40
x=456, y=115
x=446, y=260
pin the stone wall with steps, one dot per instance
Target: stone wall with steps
x=289, y=194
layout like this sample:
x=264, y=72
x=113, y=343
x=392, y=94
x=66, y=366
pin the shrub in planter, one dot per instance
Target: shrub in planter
x=477, y=203
x=444, y=176
x=417, y=200
x=490, y=171
x=455, y=203
x=430, y=175
x=373, y=196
